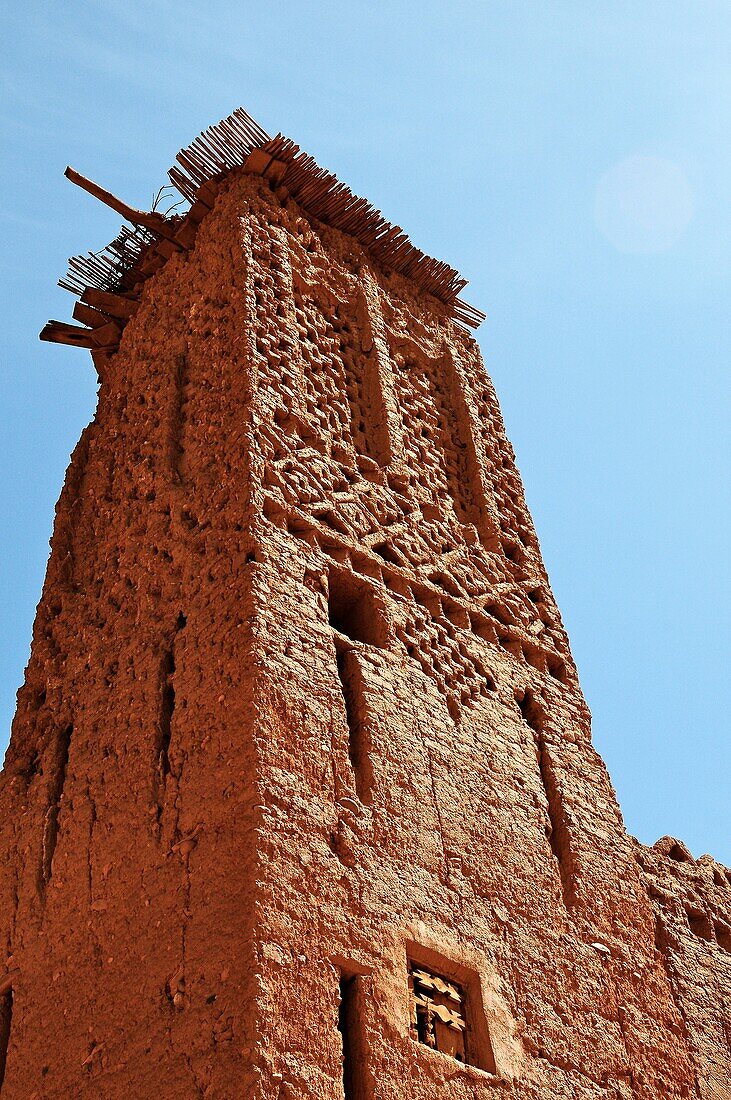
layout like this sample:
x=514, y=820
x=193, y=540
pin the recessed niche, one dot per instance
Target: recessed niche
x=355, y=610
x=386, y=551
x=700, y=924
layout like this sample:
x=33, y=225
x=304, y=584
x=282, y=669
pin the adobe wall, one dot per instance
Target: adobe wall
x=448, y=848
x=127, y=799
x=301, y=711
x=692, y=903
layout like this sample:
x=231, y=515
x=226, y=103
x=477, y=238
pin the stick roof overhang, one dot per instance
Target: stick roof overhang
x=108, y=282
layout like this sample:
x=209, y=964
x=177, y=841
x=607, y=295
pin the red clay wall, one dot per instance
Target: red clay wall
x=301, y=709
x=692, y=903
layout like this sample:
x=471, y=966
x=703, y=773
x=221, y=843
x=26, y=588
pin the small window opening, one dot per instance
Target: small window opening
x=353, y=609
x=512, y=552
x=6, y=1021
x=444, y=1017
x=530, y=711
x=345, y=1026
x=357, y=1083
x=359, y=742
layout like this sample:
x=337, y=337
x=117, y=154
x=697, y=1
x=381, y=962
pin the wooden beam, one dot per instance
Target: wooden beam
x=276, y=171
x=258, y=161
x=153, y=221
x=186, y=233
x=58, y=332
x=88, y=316
x=116, y=305
x=108, y=335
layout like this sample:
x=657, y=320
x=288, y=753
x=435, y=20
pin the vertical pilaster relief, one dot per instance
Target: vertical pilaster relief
x=375, y=343
x=440, y=446
x=320, y=333
x=364, y=384
x=513, y=521
x=274, y=328
x=452, y=437
x=478, y=503
x=343, y=371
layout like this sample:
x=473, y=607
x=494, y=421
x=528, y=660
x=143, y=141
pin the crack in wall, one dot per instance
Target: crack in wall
x=163, y=768
x=60, y=761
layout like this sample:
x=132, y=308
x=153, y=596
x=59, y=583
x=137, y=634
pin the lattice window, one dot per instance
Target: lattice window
x=438, y=1012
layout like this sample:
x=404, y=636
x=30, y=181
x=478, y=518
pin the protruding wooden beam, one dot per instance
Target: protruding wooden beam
x=88, y=316
x=153, y=221
x=186, y=233
x=198, y=211
x=116, y=305
x=58, y=332
x=206, y=193
x=106, y=336
x=258, y=161
x=276, y=171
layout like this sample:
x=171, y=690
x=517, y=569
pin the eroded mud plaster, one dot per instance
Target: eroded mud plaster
x=301, y=799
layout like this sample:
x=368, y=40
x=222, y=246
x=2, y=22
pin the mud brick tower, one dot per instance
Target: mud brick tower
x=301, y=800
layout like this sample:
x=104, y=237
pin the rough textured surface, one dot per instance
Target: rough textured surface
x=301, y=716
x=692, y=902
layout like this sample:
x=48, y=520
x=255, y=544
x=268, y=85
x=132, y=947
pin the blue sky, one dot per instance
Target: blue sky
x=572, y=160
